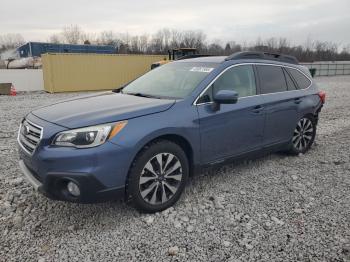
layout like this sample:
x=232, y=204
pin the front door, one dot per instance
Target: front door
x=234, y=128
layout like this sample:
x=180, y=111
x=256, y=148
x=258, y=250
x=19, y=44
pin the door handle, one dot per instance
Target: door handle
x=257, y=109
x=297, y=100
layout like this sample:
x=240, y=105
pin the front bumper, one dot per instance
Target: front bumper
x=29, y=176
x=100, y=172
x=55, y=186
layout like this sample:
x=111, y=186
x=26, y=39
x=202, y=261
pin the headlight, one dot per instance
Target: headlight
x=88, y=136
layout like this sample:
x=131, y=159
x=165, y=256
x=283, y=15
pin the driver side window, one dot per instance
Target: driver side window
x=239, y=78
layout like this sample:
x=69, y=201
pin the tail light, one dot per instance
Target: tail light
x=322, y=96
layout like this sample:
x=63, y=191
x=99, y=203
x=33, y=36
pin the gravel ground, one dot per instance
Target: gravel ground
x=276, y=208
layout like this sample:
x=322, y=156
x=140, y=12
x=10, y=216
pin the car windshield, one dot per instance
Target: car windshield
x=173, y=80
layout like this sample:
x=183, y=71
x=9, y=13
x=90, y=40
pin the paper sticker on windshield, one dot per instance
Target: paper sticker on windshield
x=202, y=69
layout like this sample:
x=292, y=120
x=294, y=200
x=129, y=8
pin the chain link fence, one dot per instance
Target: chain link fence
x=330, y=68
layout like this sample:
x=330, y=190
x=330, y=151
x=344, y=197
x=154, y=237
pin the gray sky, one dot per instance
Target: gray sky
x=239, y=20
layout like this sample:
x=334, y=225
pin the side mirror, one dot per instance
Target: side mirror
x=224, y=97
x=119, y=89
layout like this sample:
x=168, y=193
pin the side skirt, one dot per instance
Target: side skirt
x=251, y=155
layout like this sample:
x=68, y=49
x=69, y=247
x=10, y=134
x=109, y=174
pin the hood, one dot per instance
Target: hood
x=100, y=109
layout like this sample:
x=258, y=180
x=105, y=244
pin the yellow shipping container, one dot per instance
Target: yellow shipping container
x=88, y=72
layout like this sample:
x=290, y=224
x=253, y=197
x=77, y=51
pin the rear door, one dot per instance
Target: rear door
x=280, y=104
x=234, y=128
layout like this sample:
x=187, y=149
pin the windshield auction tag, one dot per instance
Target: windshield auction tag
x=202, y=69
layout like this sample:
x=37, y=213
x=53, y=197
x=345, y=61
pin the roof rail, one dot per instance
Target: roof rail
x=263, y=55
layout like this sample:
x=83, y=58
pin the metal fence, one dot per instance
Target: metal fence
x=330, y=68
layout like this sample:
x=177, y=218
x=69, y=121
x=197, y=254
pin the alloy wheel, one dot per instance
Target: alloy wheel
x=160, y=178
x=303, y=134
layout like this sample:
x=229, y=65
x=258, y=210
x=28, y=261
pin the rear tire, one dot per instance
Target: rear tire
x=158, y=176
x=303, y=135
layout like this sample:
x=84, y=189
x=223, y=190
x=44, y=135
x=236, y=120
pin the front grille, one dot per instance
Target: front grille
x=29, y=136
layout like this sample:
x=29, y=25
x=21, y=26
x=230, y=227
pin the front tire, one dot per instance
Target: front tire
x=303, y=135
x=158, y=176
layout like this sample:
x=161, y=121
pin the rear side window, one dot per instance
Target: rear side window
x=290, y=83
x=272, y=79
x=301, y=80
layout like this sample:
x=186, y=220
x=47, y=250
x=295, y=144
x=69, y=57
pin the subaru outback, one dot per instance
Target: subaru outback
x=143, y=142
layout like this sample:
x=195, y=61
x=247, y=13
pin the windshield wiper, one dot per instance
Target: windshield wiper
x=142, y=95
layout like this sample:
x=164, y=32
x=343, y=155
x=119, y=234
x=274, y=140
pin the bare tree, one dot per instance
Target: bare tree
x=135, y=44
x=89, y=37
x=55, y=39
x=72, y=34
x=106, y=38
x=143, y=43
x=166, y=39
x=283, y=45
x=110, y=38
x=193, y=39
x=156, y=43
x=176, y=38
x=215, y=49
x=10, y=41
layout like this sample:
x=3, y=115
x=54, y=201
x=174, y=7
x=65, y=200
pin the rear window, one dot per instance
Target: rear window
x=272, y=79
x=301, y=80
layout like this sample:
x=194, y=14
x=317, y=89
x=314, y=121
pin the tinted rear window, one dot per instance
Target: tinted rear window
x=290, y=83
x=301, y=80
x=272, y=79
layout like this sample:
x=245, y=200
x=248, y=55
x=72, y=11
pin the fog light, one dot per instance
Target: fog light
x=73, y=189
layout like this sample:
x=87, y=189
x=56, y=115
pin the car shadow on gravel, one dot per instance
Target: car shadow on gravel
x=73, y=216
x=198, y=183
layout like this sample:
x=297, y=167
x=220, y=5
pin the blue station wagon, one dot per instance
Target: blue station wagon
x=142, y=142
